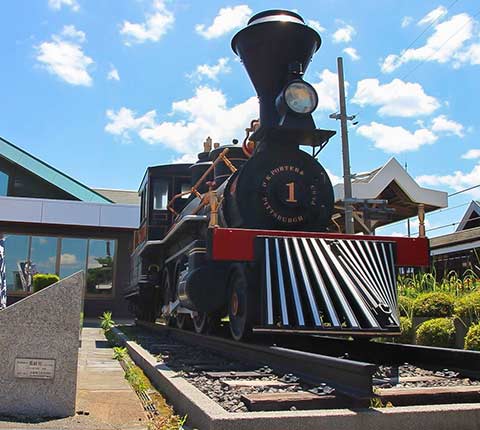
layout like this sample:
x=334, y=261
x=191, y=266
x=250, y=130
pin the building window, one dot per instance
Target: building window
x=26, y=256
x=3, y=183
x=160, y=194
x=73, y=255
x=101, y=256
x=16, y=267
x=43, y=255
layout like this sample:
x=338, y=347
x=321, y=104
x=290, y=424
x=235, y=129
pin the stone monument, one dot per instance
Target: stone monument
x=39, y=339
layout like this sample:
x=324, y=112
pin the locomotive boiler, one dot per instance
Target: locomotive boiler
x=244, y=234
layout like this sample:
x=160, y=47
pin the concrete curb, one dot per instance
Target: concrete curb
x=206, y=414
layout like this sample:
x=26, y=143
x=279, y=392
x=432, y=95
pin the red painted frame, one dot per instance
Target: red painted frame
x=236, y=244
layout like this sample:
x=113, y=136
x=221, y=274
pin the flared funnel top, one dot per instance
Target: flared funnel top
x=268, y=46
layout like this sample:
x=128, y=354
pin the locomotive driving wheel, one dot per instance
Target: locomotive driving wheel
x=200, y=322
x=240, y=305
x=182, y=320
x=206, y=322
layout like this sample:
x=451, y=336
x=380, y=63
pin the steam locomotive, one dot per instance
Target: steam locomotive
x=246, y=231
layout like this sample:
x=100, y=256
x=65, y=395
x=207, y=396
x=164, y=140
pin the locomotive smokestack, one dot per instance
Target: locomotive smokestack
x=275, y=46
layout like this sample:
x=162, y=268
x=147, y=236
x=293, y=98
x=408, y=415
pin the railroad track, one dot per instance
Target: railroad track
x=352, y=379
x=293, y=374
x=465, y=363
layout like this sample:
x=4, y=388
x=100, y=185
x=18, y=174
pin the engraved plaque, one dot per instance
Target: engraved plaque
x=34, y=368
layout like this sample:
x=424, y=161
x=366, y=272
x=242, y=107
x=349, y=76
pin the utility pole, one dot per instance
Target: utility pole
x=347, y=179
x=408, y=219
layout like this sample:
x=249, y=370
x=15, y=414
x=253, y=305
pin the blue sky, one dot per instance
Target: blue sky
x=103, y=89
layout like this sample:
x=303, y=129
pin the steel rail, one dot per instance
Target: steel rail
x=353, y=379
x=466, y=362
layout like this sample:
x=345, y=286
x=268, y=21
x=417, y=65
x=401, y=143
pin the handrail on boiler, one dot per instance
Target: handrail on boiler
x=194, y=190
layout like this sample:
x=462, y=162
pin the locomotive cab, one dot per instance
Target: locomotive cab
x=160, y=184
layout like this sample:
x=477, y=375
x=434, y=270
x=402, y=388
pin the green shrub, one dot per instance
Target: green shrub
x=40, y=281
x=119, y=353
x=436, y=332
x=405, y=305
x=467, y=308
x=472, y=339
x=433, y=305
x=106, y=321
x=406, y=329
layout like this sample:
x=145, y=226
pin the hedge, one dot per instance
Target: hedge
x=472, y=339
x=467, y=308
x=433, y=305
x=40, y=281
x=437, y=332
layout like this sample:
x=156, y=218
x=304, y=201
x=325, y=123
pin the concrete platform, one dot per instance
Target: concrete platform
x=105, y=400
x=205, y=414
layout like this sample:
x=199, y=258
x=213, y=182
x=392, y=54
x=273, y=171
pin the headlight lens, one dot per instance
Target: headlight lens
x=301, y=97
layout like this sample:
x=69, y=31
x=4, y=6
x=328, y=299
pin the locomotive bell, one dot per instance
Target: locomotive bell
x=276, y=48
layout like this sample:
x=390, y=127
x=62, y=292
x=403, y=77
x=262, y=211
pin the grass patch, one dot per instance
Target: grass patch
x=166, y=419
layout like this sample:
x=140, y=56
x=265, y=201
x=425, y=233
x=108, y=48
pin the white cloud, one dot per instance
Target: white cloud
x=123, y=122
x=470, y=56
x=211, y=71
x=352, y=53
x=334, y=179
x=457, y=181
x=58, y=4
x=433, y=15
x=227, y=19
x=471, y=154
x=113, y=74
x=442, y=124
x=204, y=114
x=447, y=43
x=327, y=90
x=63, y=56
x=344, y=34
x=65, y=259
x=69, y=31
x=315, y=25
x=153, y=29
x=68, y=259
x=397, y=98
x=406, y=21
x=186, y=158
x=396, y=139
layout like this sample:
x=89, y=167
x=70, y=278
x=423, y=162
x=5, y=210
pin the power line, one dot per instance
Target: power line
x=448, y=225
x=424, y=31
x=435, y=212
x=417, y=38
x=464, y=190
x=440, y=47
x=429, y=26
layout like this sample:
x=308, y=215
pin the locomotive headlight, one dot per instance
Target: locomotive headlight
x=300, y=97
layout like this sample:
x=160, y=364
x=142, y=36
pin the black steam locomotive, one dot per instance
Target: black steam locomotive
x=245, y=232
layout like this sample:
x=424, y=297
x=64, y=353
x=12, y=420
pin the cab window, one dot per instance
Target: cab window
x=160, y=194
